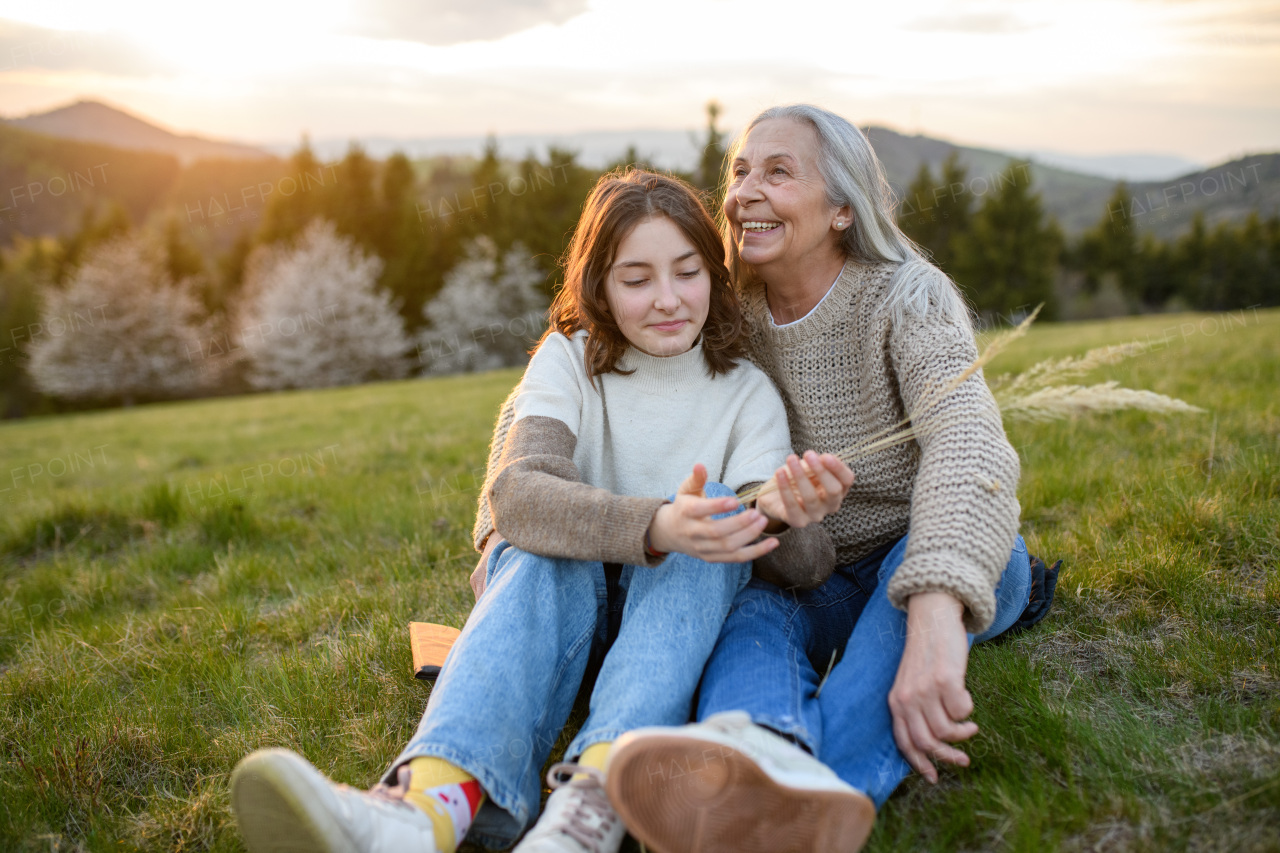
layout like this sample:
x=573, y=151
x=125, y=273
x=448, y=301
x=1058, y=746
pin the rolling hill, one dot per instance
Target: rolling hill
x=1228, y=191
x=91, y=121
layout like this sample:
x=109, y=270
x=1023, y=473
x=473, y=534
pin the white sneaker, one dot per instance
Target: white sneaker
x=578, y=817
x=726, y=785
x=283, y=805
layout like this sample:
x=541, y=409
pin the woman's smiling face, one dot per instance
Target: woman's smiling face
x=776, y=203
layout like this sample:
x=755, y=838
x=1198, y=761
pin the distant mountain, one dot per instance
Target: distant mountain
x=1118, y=167
x=1222, y=193
x=1076, y=199
x=91, y=121
x=1164, y=207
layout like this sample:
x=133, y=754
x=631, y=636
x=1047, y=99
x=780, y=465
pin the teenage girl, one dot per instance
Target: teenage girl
x=639, y=380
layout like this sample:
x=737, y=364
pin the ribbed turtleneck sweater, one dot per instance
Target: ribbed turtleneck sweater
x=640, y=430
x=578, y=468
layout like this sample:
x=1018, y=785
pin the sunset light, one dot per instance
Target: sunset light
x=590, y=426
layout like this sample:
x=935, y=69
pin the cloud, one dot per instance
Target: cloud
x=24, y=47
x=973, y=22
x=446, y=22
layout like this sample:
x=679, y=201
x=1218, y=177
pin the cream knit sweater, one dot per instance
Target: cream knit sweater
x=847, y=372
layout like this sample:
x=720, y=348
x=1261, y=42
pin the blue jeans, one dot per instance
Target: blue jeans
x=776, y=648
x=509, y=683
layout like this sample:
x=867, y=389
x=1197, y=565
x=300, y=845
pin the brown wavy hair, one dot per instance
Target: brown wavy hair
x=619, y=202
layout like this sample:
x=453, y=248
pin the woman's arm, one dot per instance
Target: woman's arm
x=964, y=500
x=929, y=701
x=964, y=517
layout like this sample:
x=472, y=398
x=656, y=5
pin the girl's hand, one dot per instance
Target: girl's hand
x=801, y=498
x=929, y=701
x=686, y=525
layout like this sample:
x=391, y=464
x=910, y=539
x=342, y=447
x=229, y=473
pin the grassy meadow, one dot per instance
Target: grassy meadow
x=181, y=584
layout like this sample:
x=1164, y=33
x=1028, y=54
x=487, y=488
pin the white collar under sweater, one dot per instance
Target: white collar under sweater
x=640, y=434
x=775, y=324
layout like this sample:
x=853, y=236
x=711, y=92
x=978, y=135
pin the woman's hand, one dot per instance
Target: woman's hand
x=686, y=525
x=802, y=498
x=929, y=701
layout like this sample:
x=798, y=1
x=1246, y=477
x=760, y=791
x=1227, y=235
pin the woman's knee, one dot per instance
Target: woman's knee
x=761, y=602
x=893, y=559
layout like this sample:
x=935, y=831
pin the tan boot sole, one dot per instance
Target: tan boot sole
x=682, y=795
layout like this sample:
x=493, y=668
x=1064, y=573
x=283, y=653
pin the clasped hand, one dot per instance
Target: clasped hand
x=792, y=497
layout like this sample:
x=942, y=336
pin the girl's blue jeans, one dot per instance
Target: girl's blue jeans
x=539, y=630
x=776, y=647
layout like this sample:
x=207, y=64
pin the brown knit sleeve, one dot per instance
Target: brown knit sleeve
x=804, y=559
x=964, y=502
x=540, y=504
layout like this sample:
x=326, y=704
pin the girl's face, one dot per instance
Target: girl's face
x=659, y=288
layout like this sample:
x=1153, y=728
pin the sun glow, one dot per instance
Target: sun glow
x=1021, y=73
x=237, y=38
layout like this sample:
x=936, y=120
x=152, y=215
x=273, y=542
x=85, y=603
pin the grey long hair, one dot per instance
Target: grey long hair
x=853, y=176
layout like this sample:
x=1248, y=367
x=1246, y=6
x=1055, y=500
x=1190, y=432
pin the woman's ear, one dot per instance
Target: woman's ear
x=842, y=218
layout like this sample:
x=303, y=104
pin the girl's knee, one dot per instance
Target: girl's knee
x=532, y=572
x=718, y=490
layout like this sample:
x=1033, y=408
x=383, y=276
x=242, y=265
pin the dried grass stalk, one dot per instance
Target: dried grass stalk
x=1066, y=401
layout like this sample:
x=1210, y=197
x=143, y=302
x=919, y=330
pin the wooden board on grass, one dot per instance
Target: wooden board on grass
x=430, y=643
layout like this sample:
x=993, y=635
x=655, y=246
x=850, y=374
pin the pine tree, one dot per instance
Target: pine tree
x=314, y=317
x=410, y=249
x=710, y=175
x=25, y=273
x=1195, y=283
x=1112, y=248
x=1007, y=259
x=303, y=196
x=935, y=213
x=352, y=204
x=120, y=330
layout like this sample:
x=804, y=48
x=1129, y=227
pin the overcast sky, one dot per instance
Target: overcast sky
x=1197, y=78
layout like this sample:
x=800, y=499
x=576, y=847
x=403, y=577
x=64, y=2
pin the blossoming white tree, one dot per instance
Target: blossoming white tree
x=313, y=316
x=488, y=313
x=121, y=329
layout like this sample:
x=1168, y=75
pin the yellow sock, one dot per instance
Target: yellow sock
x=449, y=795
x=430, y=772
x=595, y=756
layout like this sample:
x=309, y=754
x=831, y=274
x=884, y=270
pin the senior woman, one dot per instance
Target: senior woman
x=864, y=674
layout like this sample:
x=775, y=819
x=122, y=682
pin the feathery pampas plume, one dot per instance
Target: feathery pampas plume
x=1034, y=395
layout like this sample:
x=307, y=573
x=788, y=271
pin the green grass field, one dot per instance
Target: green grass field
x=181, y=584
